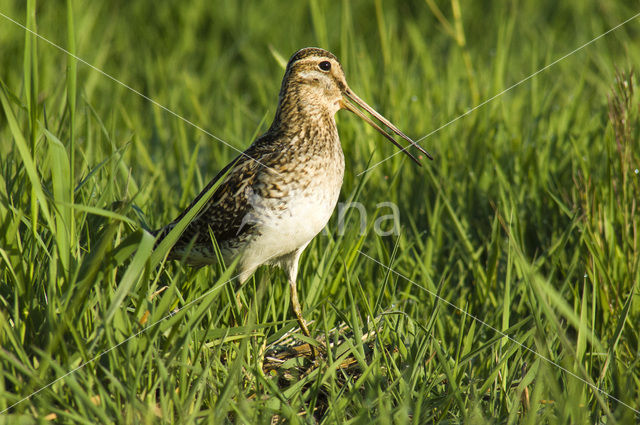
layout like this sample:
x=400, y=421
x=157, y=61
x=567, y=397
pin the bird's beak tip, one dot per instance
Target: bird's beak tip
x=345, y=103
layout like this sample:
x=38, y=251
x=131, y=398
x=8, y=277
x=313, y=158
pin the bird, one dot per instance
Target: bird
x=278, y=194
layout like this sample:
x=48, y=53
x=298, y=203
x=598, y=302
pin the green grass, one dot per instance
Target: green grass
x=527, y=219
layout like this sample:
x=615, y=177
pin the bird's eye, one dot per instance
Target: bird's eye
x=324, y=65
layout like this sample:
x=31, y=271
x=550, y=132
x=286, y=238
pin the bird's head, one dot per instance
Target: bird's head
x=314, y=82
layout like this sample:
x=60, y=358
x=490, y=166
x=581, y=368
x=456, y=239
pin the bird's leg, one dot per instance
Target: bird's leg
x=298, y=311
x=291, y=266
x=296, y=306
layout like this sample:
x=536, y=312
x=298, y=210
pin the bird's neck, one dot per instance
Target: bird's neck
x=302, y=113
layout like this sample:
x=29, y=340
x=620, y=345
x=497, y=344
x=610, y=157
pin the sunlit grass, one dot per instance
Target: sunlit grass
x=527, y=219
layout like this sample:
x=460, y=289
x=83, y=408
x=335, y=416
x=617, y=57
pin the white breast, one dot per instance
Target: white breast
x=287, y=224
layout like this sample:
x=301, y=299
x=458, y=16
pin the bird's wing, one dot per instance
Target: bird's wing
x=225, y=214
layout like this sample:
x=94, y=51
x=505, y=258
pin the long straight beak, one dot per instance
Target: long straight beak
x=349, y=95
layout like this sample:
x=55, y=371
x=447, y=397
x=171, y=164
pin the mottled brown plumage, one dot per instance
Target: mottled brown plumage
x=279, y=193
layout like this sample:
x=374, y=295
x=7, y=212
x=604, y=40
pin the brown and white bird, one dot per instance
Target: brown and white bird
x=280, y=193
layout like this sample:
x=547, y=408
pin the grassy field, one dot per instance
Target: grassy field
x=509, y=295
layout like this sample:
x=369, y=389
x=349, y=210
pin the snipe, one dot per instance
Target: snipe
x=280, y=193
